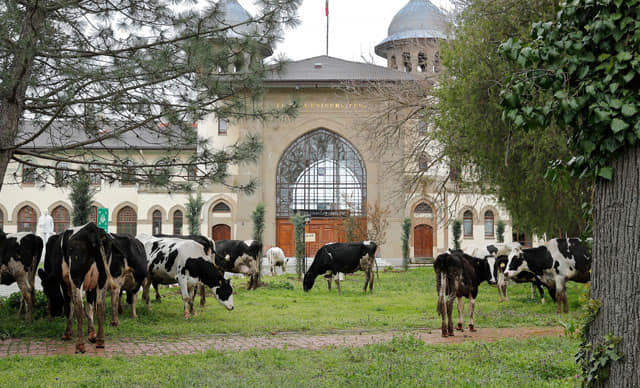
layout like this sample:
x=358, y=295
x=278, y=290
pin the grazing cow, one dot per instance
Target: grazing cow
x=239, y=257
x=342, y=257
x=78, y=263
x=209, y=249
x=553, y=264
x=275, y=258
x=458, y=275
x=183, y=261
x=129, y=270
x=19, y=258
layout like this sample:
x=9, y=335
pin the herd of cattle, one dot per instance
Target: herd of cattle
x=87, y=261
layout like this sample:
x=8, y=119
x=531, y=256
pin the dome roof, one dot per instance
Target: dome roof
x=232, y=13
x=418, y=19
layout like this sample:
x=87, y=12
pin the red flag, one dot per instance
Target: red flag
x=326, y=8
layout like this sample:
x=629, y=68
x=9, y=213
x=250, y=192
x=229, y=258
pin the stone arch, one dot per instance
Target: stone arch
x=420, y=201
x=122, y=205
x=496, y=213
x=476, y=217
x=5, y=215
x=16, y=209
x=173, y=209
x=60, y=203
x=154, y=208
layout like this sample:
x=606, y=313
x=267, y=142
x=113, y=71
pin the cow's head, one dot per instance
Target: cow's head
x=224, y=293
x=515, y=263
x=484, y=270
x=491, y=261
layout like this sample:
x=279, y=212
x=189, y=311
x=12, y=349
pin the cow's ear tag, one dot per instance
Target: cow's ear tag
x=501, y=265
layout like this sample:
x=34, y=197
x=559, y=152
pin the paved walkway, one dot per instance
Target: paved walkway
x=198, y=344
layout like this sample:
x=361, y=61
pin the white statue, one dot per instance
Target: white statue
x=45, y=228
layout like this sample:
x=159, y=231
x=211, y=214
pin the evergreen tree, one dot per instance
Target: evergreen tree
x=257, y=216
x=298, y=224
x=81, y=197
x=406, y=233
x=457, y=232
x=500, y=231
x=84, y=75
x=193, y=209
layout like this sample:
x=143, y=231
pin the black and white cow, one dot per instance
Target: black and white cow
x=335, y=258
x=209, y=247
x=239, y=257
x=19, y=258
x=553, y=264
x=458, y=275
x=276, y=258
x=129, y=270
x=184, y=261
x=77, y=262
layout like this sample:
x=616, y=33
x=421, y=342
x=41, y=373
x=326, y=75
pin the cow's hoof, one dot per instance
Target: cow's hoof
x=459, y=327
x=186, y=316
x=80, y=348
x=451, y=334
x=114, y=323
x=66, y=337
x=100, y=344
x=92, y=337
x=445, y=334
x=472, y=329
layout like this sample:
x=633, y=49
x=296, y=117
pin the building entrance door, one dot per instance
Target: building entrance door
x=423, y=241
x=221, y=232
x=327, y=230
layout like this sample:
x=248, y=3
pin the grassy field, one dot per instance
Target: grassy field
x=400, y=300
x=403, y=362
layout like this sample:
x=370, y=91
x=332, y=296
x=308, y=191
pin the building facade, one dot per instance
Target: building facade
x=317, y=164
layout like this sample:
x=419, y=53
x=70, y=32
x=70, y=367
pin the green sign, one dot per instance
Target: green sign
x=103, y=218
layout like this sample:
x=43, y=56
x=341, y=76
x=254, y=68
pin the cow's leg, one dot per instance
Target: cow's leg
x=184, y=291
x=338, y=284
x=540, y=291
x=192, y=298
x=146, y=283
x=134, y=299
x=273, y=270
x=25, y=290
x=366, y=281
x=100, y=307
x=120, y=309
x=68, y=332
x=158, y=297
x=88, y=312
x=76, y=297
x=203, y=298
x=371, y=277
x=460, y=312
x=329, y=280
x=561, y=295
x=449, y=315
x=472, y=306
x=115, y=304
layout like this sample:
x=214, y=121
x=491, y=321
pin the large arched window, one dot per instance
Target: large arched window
x=61, y=219
x=156, y=222
x=423, y=210
x=177, y=222
x=488, y=224
x=468, y=223
x=127, y=221
x=221, y=208
x=323, y=175
x=27, y=221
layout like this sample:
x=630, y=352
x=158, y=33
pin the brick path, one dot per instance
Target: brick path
x=197, y=344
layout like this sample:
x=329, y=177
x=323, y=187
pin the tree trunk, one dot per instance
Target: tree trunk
x=616, y=266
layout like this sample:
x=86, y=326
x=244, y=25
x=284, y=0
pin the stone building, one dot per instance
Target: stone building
x=315, y=164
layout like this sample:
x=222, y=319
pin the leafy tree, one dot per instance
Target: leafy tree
x=500, y=231
x=511, y=166
x=193, y=210
x=581, y=71
x=406, y=233
x=78, y=78
x=298, y=225
x=81, y=197
x=457, y=232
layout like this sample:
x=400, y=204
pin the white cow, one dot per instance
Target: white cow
x=275, y=258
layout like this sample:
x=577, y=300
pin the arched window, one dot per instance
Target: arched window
x=29, y=175
x=93, y=214
x=424, y=210
x=394, y=63
x=27, y=221
x=127, y=221
x=323, y=175
x=177, y=222
x=488, y=224
x=156, y=222
x=1, y=220
x=61, y=220
x=221, y=208
x=424, y=161
x=223, y=127
x=468, y=223
x=192, y=173
x=422, y=62
x=406, y=61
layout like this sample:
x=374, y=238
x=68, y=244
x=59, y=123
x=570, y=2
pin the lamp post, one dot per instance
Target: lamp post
x=307, y=221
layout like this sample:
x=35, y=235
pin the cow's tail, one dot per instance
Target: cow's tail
x=442, y=286
x=111, y=285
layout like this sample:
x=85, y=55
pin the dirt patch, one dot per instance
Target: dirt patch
x=198, y=344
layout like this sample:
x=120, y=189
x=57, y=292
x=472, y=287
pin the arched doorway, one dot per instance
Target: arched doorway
x=221, y=232
x=323, y=176
x=423, y=241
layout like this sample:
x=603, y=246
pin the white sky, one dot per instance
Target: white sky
x=355, y=28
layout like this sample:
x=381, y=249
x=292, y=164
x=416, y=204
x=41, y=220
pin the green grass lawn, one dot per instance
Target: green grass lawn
x=400, y=300
x=403, y=362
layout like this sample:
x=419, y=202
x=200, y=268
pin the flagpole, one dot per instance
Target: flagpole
x=326, y=9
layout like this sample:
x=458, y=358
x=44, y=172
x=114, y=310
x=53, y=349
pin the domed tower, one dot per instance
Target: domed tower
x=231, y=13
x=413, y=44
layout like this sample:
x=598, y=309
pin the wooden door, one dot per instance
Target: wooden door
x=221, y=232
x=326, y=230
x=285, y=237
x=423, y=241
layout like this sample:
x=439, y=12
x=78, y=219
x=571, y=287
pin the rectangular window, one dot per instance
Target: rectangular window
x=468, y=227
x=223, y=127
x=28, y=175
x=488, y=228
